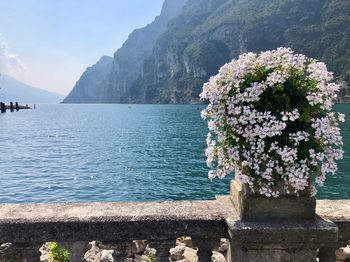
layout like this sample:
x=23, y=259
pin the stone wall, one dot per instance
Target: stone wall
x=115, y=226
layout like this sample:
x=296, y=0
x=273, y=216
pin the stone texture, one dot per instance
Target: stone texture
x=44, y=252
x=209, y=221
x=218, y=257
x=6, y=251
x=223, y=248
x=182, y=252
x=177, y=253
x=142, y=258
x=326, y=254
x=93, y=253
x=280, y=241
x=184, y=241
x=87, y=88
x=224, y=245
x=20, y=252
x=137, y=251
x=138, y=247
x=205, y=247
x=162, y=247
x=253, y=206
x=274, y=254
x=190, y=254
x=337, y=211
x=111, y=221
x=288, y=233
x=343, y=253
x=107, y=256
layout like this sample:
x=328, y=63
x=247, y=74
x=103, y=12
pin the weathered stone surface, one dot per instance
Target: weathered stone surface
x=6, y=251
x=142, y=258
x=275, y=241
x=337, y=211
x=111, y=221
x=224, y=245
x=205, y=247
x=274, y=254
x=162, y=247
x=207, y=221
x=326, y=254
x=181, y=252
x=177, y=253
x=93, y=254
x=138, y=247
x=44, y=252
x=19, y=252
x=343, y=253
x=254, y=206
x=287, y=233
x=218, y=257
x=184, y=241
x=107, y=256
x=190, y=254
x=115, y=252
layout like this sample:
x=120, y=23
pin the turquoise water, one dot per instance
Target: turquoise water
x=60, y=153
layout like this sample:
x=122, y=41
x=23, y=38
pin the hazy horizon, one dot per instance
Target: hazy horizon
x=48, y=44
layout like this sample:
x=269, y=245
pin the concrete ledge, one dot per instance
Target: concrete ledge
x=114, y=221
x=289, y=234
x=337, y=211
x=165, y=220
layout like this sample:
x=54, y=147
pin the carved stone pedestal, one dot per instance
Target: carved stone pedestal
x=277, y=229
x=253, y=207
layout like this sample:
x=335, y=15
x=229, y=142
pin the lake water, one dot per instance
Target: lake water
x=65, y=153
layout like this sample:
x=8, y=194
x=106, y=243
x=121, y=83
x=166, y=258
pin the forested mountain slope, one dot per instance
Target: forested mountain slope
x=208, y=33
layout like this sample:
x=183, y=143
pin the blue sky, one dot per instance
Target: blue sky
x=49, y=43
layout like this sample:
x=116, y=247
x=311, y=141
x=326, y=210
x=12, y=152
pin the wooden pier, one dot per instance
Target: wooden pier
x=12, y=107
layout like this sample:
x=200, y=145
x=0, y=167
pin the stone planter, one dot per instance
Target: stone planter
x=254, y=207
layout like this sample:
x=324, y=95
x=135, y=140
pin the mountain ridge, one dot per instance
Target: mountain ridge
x=13, y=90
x=87, y=88
x=127, y=60
x=205, y=34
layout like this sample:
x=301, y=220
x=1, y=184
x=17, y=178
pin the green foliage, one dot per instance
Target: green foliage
x=345, y=91
x=210, y=33
x=150, y=254
x=209, y=55
x=58, y=254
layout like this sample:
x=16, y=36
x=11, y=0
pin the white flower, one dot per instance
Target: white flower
x=260, y=144
x=341, y=117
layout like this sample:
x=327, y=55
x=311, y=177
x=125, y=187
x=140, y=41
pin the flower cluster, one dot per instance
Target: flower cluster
x=270, y=119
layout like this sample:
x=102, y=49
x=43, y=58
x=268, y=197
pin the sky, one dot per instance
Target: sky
x=49, y=43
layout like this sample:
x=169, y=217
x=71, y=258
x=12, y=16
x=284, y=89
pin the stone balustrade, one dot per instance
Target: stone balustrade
x=27, y=227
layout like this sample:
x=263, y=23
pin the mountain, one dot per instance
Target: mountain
x=210, y=32
x=173, y=65
x=128, y=60
x=99, y=86
x=12, y=90
x=87, y=89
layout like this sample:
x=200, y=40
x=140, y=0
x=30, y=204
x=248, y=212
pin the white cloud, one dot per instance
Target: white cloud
x=10, y=64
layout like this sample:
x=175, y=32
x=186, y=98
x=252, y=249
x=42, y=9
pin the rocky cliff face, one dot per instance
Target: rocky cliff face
x=170, y=59
x=87, y=89
x=112, y=86
x=205, y=36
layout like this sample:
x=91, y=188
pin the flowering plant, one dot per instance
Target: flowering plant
x=270, y=119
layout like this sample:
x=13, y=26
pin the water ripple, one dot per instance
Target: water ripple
x=66, y=153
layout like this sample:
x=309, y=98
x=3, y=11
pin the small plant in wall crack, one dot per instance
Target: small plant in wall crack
x=57, y=253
